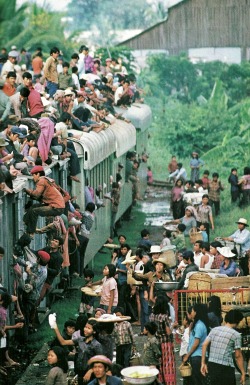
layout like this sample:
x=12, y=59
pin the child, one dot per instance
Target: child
x=184, y=343
x=214, y=189
x=87, y=301
x=151, y=352
x=58, y=374
x=124, y=339
x=67, y=333
x=109, y=293
x=65, y=79
x=178, y=239
x=166, y=239
x=205, y=179
x=88, y=346
x=149, y=176
x=202, y=228
x=29, y=150
x=75, y=78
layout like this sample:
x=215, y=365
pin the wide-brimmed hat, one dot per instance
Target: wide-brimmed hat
x=155, y=249
x=68, y=92
x=100, y=359
x=243, y=221
x=161, y=260
x=225, y=252
x=3, y=142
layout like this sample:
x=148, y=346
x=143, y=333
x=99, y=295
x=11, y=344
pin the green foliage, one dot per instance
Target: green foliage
x=203, y=107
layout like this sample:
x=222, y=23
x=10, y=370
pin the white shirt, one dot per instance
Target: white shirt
x=242, y=238
x=197, y=259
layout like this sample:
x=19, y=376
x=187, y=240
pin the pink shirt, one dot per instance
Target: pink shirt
x=108, y=285
x=35, y=102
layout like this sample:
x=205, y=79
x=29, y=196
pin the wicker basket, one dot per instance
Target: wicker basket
x=195, y=235
x=169, y=256
x=199, y=281
x=185, y=369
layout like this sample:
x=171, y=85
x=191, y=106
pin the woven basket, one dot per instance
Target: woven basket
x=169, y=257
x=185, y=369
x=199, y=281
x=195, y=235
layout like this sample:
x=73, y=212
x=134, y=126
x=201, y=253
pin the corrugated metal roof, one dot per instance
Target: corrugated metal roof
x=94, y=146
x=125, y=134
x=139, y=114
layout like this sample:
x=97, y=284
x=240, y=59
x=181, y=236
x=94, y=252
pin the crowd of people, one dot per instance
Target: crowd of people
x=60, y=95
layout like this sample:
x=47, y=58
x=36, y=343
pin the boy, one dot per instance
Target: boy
x=205, y=179
x=65, y=79
x=197, y=253
x=214, y=189
x=87, y=301
x=124, y=339
x=179, y=239
x=203, y=232
x=151, y=351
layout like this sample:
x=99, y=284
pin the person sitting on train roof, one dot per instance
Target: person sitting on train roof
x=52, y=202
x=242, y=238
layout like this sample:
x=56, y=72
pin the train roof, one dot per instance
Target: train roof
x=139, y=114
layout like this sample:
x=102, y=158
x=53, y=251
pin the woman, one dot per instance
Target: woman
x=195, y=164
x=228, y=266
x=160, y=275
x=160, y=316
x=205, y=215
x=214, y=311
x=189, y=220
x=176, y=199
x=198, y=333
x=58, y=374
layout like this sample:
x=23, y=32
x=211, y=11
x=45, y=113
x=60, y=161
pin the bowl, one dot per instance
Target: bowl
x=167, y=286
x=140, y=374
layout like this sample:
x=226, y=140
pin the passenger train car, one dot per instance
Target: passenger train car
x=99, y=155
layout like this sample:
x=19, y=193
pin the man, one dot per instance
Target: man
x=188, y=259
x=52, y=202
x=9, y=87
x=100, y=365
x=19, y=103
x=54, y=265
x=35, y=104
x=88, y=61
x=37, y=64
x=242, y=238
x=50, y=71
x=224, y=342
x=197, y=253
x=10, y=64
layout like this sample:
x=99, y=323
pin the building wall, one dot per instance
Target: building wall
x=197, y=24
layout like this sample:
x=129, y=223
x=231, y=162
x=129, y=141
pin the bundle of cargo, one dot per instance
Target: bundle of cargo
x=239, y=290
x=199, y=281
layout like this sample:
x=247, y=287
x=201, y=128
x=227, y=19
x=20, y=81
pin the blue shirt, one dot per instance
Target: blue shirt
x=110, y=380
x=230, y=271
x=122, y=277
x=242, y=238
x=200, y=332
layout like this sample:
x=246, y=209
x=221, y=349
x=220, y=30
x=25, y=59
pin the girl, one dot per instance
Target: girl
x=58, y=374
x=198, y=333
x=160, y=316
x=184, y=343
x=87, y=345
x=214, y=311
x=109, y=293
x=205, y=215
x=176, y=199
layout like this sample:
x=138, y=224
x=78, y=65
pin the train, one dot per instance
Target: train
x=99, y=155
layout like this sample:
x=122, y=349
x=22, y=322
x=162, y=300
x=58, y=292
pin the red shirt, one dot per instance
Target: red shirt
x=35, y=102
x=8, y=89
